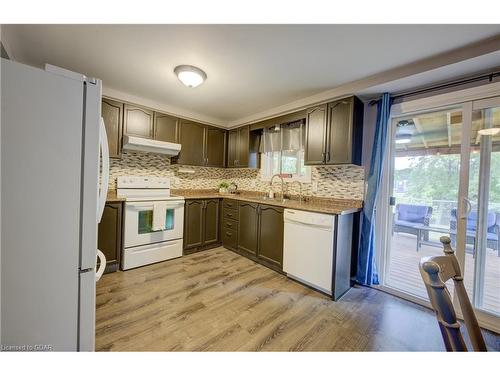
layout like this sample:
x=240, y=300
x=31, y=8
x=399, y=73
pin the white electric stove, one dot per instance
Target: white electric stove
x=142, y=244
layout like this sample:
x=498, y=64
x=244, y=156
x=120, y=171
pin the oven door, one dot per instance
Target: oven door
x=139, y=222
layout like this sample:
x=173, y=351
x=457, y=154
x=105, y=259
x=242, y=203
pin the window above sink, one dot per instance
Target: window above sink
x=282, y=152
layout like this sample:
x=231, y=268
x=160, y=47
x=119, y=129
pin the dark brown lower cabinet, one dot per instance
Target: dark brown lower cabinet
x=255, y=231
x=229, y=233
x=211, y=222
x=201, y=224
x=193, y=223
x=270, y=246
x=248, y=229
x=110, y=235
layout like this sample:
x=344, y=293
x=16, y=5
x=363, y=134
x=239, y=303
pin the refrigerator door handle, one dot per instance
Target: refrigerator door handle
x=103, y=143
x=102, y=265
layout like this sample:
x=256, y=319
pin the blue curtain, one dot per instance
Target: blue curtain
x=367, y=271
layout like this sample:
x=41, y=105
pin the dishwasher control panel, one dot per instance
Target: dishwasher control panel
x=309, y=218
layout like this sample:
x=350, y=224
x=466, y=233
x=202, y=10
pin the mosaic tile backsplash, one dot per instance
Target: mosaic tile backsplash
x=346, y=181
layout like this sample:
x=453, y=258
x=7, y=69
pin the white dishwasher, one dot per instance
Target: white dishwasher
x=308, y=248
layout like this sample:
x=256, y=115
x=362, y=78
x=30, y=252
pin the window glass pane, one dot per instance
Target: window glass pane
x=303, y=168
x=276, y=162
x=482, y=254
x=289, y=161
x=426, y=178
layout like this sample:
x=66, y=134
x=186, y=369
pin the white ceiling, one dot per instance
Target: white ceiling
x=480, y=64
x=251, y=68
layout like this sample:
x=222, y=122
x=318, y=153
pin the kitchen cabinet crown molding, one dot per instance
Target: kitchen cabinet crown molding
x=110, y=93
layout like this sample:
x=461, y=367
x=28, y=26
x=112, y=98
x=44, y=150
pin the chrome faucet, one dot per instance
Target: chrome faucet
x=300, y=188
x=282, y=185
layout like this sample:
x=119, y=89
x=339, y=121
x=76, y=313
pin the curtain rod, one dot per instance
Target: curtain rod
x=460, y=82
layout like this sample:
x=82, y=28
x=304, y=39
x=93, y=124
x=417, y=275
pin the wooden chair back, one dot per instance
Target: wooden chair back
x=436, y=271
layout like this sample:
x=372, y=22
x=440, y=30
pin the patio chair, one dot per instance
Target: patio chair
x=410, y=216
x=492, y=235
x=435, y=271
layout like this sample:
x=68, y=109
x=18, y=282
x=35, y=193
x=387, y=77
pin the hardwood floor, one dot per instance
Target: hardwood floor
x=217, y=300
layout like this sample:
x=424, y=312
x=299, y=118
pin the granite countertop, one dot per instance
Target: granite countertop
x=315, y=204
x=112, y=197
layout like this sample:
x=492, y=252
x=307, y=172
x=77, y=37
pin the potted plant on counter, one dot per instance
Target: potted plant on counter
x=223, y=187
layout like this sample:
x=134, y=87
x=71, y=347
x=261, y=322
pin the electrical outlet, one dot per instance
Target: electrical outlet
x=314, y=186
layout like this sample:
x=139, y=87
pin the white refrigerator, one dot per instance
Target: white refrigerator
x=53, y=148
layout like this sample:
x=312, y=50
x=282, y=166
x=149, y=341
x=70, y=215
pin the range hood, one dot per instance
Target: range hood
x=150, y=145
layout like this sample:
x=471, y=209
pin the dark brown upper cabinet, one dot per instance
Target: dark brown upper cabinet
x=334, y=133
x=243, y=146
x=112, y=114
x=192, y=140
x=232, y=148
x=138, y=121
x=215, y=150
x=201, y=145
x=271, y=225
x=239, y=148
x=316, y=135
x=166, y=128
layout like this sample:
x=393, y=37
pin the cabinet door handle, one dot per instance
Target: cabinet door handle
x=323, y=156
x=328, y=156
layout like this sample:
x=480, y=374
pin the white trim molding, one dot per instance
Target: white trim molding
x=448, y=99
x=162, y=107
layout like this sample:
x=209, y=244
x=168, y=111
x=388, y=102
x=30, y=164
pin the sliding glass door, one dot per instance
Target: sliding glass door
x=482, y=250
x=443, y=179
x=425, y=163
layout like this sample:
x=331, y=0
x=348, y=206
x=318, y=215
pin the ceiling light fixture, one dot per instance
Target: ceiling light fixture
x=189, y=75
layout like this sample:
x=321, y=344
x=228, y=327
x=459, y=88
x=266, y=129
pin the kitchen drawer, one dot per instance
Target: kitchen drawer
x=228, y=203
x=229, y=224
x=230, y=238
x=230, y=213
